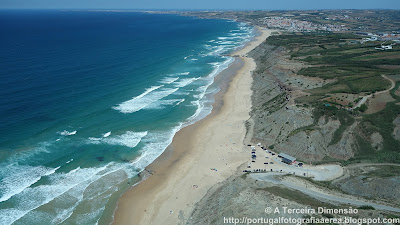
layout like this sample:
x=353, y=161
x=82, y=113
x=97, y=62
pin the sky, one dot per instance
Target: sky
x=201, y=4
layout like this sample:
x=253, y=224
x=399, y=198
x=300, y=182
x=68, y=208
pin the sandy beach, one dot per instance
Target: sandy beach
x=200, y=156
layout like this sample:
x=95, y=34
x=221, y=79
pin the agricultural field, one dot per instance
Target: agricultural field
x=355, y=69
x=362, y=87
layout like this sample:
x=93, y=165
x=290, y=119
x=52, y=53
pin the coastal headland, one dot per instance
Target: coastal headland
x=200, y=156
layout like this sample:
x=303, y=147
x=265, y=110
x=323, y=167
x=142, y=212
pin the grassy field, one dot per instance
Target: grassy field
x=392, y=92
x=353, y=68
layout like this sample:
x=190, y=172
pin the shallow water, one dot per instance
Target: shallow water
x=91, y=98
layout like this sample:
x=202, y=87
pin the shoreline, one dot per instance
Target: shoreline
x=197, y=152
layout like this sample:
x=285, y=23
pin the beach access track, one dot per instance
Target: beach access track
x=272, y=177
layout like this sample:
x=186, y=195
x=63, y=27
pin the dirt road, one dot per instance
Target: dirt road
x=326, y=197
x=365, y=98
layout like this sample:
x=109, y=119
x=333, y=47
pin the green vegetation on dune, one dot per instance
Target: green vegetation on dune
x=393, y=91
x=346, y=120
x=366, y=207
x=350, y=67
x=291, y=42
x=352, y=84
x=337, y=58
x=277, y=101
x=305, y=128
x=385, y=171
x=381, y=122
x=344, y=64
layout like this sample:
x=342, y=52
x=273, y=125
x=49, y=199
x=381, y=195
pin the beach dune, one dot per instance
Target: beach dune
x=200, y=156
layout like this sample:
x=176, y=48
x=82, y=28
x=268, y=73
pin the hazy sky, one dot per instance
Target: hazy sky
x=202, y=4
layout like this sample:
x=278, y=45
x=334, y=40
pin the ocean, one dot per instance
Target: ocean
x=90, y=98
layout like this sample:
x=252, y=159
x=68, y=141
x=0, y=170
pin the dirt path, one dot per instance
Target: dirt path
x=270, y=177
x=371, y=164
x=365, y=98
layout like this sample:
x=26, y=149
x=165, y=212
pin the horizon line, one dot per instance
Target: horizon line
x=169, y=10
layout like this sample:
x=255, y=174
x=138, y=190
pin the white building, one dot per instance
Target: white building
x=384, y=47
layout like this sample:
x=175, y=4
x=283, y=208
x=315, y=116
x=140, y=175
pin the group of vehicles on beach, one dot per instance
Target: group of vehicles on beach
x=274, y=157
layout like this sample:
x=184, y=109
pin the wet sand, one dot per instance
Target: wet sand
x=200, y=156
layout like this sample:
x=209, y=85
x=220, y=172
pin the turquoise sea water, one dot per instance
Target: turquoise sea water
x=88, y=99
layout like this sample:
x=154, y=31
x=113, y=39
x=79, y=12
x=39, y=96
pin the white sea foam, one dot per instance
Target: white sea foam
x=214, y=64
x=172, y=102
x=182, y=92
x=235, y=37
x=68, y=133
x=157, y=142
x=184, y=73
x=80, y=184
x=62, y=215
x=169, y=80
x=72, y=184
x=90, y=218
x=163, y=103
x=218, y=50
x=221, y=66
x=148, y=90
x=200, y=103
x=136, y=103
x=226, y=42
x=70, y=201
x=30, y=153
x=144, y=100
x=16, y=178
x=178, y=103
x=194, y=59
x=202, y=90
x=201, y=112
x=129, y=139
x=185, y=82
x=94, y=139
x=229, y=42
x=97, y=197
x=186, y=57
